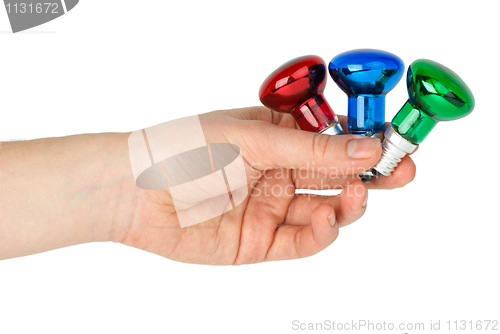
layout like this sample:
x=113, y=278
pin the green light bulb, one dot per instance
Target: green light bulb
x=436, y=94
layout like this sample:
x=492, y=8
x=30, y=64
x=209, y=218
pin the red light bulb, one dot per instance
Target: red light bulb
x=296, y=87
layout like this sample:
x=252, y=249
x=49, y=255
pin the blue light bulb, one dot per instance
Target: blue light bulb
x=366, y=76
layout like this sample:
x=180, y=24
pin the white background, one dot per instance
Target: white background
x=425, y=252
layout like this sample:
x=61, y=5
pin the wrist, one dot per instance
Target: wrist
x=58, y=192
x=113, y=195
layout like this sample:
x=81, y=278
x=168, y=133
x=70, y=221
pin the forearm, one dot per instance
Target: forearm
x=58, y=192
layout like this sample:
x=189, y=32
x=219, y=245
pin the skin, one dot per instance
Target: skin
x=58, y=192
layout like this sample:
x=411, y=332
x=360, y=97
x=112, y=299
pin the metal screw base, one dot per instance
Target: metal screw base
x=395, y=148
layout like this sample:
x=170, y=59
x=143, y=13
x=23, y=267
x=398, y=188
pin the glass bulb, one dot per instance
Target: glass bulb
x=436, y=94
x=296, y=87
x=366, y=76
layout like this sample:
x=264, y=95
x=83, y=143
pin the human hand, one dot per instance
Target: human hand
x=270, y=224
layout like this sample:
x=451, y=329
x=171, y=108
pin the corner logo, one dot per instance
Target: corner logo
x=204, y=179
x=26, y=14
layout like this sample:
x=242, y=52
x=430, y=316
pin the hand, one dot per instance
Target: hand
x=269, y=225
x=58, y=192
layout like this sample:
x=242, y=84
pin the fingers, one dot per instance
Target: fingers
x=318, y=181
x=315, y=175
x=266, y=209
x=307, y=232
x=315, y=179
x=343, y=124
x=274, y=215
x=353, y=202
x=349, y=206
x=402, y=175
x=292, y=242
x=261, y=113
x=269, y=146
x=301, y=207
x=266, y=145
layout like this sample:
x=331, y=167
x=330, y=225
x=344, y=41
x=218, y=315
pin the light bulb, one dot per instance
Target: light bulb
x=366, y=76
x=296, y=87
x=436, y=94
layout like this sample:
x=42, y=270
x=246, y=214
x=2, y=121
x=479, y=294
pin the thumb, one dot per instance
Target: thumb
x=273, y=146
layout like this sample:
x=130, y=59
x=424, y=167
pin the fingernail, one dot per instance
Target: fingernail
x=331, y=219
x=362, y=148
x=365, y=202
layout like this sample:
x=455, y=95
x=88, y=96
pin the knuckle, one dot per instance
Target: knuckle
x=297, y=243
x=320, y=146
